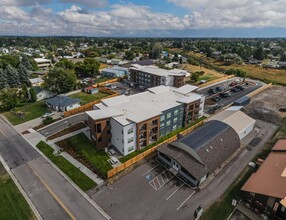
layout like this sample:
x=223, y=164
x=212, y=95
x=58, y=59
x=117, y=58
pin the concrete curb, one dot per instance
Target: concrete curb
x=93, y=203
x=29, y=201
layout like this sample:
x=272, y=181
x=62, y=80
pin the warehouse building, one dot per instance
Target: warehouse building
x=265, y=190
x=200, y=153
x=240, y=122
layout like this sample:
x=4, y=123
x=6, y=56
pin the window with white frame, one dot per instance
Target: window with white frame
x=130, y=140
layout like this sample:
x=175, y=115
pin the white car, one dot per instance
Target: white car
x=48, y=114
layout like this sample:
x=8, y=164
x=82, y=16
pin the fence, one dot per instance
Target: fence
x=89, y=106
x=108, y=81
x=216, y=81
x=146, y=153
x=259, y=90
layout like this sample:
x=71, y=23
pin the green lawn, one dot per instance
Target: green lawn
x=79, y=178
x=12, y=203
x=87, y=98
x=97, y=158
x=31, y=110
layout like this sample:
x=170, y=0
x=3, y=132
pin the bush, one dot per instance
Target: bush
x=48, y=120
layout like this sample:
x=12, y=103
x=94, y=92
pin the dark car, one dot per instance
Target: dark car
x=216, y=98
x=219, y=89
x=240, y=87
x=234, y=89
x=216, y=107
x=282, y=109
x=225, y=94
x=212, y=91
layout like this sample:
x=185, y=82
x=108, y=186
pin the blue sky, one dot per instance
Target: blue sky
x=144, y=18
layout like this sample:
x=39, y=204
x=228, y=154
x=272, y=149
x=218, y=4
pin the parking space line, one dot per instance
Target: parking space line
x=175, y=191
x=162, y=178
x=150, y=169
x=185, y=200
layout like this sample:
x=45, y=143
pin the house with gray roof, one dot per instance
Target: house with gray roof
x=63, y=103
x=197, y=155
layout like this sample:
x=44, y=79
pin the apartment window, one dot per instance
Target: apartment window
x=169, y=115
x=98, y=128
x=174, y=127
x=168, y=123
x=176, y=112
x=162, y=125
x=130, y=148
x=130, y=130
x=108, y=132
x=162, y=118
x=130, y=140
x=100, y=139
x=175, y=120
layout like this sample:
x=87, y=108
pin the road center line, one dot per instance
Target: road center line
x=185, y=200
x=175, y=192
x=55, y=197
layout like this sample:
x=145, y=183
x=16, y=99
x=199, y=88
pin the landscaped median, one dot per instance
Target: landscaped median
x=80, y=179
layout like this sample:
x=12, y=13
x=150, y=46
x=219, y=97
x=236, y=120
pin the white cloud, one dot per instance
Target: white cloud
x=234, y=14
x=23, y=2
x=89, y=3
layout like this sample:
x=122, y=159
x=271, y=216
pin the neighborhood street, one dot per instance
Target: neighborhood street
x=53, y=196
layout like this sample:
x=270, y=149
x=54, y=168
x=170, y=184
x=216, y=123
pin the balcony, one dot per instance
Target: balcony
x=143, y=127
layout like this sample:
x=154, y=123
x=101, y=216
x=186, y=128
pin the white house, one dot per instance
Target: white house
x=36, y=82
x=42, y=93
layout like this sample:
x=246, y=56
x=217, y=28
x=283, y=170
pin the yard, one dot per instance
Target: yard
x=31, y=110
x=12, y=203
x=87, y=98
x=80, y=179
x=84, y=150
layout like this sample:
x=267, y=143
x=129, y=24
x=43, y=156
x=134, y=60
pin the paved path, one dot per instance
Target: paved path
x=53, y=195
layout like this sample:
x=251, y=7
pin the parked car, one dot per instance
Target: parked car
x=225, y=94
x=216, y=98
x=282, y=109
x=48, y=114
x=240, y=87
x=212, y=91
x=234, y=89
x=233, y=84
x=217, y=106
x=219, y=89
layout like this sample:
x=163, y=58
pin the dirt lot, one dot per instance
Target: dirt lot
x=266, y=105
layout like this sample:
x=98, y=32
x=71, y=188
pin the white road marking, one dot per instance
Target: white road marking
x=150, y=170
x=185, y=200
x=159, y=178
x=175, y=191
x=2, y=133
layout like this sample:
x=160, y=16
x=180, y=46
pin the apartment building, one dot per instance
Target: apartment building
x=151, y=76
x=131, y=123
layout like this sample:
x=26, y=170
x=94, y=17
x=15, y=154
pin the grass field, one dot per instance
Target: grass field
x=12, y=203
x=79, y=178
x=31, y=110
x=97, y=158
x=87, y=98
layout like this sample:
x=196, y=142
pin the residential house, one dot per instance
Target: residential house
x=36, y=82
x=63, y=103
x=42, y=93
x=43, y=63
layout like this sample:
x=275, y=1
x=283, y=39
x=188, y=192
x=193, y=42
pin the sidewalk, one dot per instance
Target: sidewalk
x=35, y=137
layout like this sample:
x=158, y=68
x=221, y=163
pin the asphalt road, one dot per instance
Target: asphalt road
x=62, y=124
x=52, y=195
x=134, y=197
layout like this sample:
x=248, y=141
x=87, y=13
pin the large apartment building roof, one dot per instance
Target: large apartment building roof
x=145, y=105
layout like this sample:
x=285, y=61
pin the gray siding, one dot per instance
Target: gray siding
x=171, y=119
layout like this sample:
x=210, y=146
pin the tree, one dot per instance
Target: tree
x=3, y=79
x=22, y=73
x=195, y=77
x=259, y=53
x=8, y=99
x=65, y=63
x=129, y=55
x=25, y=91
x=12, y=76
x=29, y=63
x=89, y=67
x=60, y=80
x=33, y=97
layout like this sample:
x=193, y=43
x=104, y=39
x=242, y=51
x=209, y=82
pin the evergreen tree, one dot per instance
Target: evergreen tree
x=12, y=76
x=3, y=79
x=25, y=91
x=8, y=99
x=29, y=63
x=22, y=73
x=33, y=95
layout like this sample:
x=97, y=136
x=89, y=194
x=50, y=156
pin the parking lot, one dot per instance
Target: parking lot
x=148, y=188
x=210, y=104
